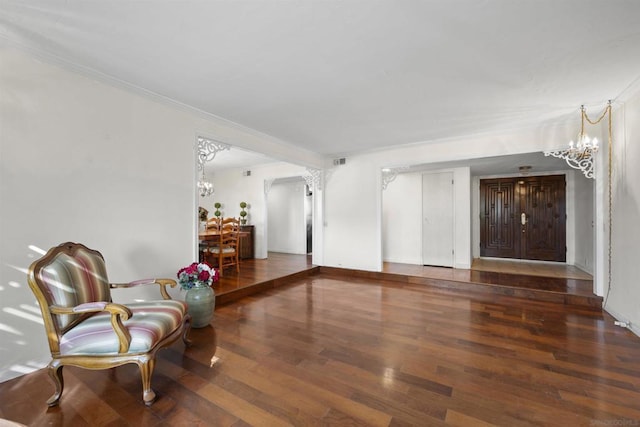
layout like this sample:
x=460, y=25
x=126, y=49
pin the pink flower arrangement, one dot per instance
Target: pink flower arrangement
x=197, y=275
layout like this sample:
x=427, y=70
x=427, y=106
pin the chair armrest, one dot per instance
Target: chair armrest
x=163, y=283
x=118, y=312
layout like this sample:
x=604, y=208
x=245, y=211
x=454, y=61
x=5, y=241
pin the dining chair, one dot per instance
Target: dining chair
x=230, y=224
x=212, y=224
x=225, y=253
x=85, y=328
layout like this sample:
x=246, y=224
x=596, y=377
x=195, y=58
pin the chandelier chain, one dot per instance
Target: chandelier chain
x=602, y=116
x=581, y=155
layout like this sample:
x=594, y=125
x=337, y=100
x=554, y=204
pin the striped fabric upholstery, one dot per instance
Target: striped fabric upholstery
x=71, y=281
x=151, y=322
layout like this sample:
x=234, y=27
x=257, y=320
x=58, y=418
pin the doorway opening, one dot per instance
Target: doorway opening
x=308, y=213
x=290, y=216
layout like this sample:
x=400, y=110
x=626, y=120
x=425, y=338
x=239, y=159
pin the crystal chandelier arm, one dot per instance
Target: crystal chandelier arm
x=205, y=188
x=581, y=156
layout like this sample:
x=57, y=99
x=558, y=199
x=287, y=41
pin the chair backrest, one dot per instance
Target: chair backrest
x=230, y=224
x=68, y=275
x=214, y=223
x=229, y=239
x=227, y=247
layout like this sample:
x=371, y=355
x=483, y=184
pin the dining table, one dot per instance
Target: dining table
x=213, y=235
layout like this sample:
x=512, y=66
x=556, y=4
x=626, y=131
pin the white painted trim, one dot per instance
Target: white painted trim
x=196, y=203
x=378, y=230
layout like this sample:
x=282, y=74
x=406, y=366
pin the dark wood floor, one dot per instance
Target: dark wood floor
x=557, y=283
x=257, y=275
x=329, y=350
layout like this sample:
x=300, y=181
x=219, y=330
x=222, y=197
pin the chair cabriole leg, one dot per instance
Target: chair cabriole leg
x=146, y=371
x=55, y=373
x=186, y=331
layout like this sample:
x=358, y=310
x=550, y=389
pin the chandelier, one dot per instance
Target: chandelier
x=580, y=154
x=205, y=188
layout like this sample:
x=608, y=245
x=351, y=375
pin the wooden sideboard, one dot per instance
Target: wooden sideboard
x=247, y=242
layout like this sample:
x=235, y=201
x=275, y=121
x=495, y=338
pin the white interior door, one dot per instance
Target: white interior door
x=437, y=219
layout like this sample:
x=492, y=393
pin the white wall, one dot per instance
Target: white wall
x=462, y=205
x=352, y=221
x=402, y=218
x=623, y=300
x=84, y=161
x=286, y=229
x=353, y=194
x=584, y=223
x=79, y=163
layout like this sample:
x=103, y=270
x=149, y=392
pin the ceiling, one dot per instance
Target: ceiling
x=345, y=76
x=236, y=158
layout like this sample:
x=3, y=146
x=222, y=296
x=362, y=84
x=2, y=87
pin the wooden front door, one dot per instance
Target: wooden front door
x=523, y=217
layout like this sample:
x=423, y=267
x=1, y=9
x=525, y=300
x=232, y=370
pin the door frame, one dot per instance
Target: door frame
x=531, y=198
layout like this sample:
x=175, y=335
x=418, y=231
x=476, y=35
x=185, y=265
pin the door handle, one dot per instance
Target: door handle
x=523, y=218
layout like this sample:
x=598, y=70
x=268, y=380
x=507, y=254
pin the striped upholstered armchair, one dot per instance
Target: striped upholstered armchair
x=86, y=328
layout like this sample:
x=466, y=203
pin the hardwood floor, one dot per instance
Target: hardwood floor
x=530, y=268
x=553, y=284
x=330, y=350
x=258, y=275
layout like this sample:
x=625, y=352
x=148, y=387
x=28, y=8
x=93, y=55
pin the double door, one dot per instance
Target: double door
x=523, y=217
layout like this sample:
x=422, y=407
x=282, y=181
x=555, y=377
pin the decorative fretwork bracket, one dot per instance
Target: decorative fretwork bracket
x=207, y=150
x=313, y=178
x=390, y=174
x=582, y=161
x=267, y=185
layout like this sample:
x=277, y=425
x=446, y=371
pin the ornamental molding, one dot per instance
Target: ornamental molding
x=267, y=185
x=313, y=178
x=207, y=150
x=390, y=174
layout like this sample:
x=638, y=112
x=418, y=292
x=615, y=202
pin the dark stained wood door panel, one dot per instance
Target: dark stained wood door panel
x=544, y=234
x=499, y=208
x=523, y=217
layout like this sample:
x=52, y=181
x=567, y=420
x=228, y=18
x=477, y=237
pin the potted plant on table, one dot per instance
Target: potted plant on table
x=197, y=279
x=243, y=213
x=217, y=205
